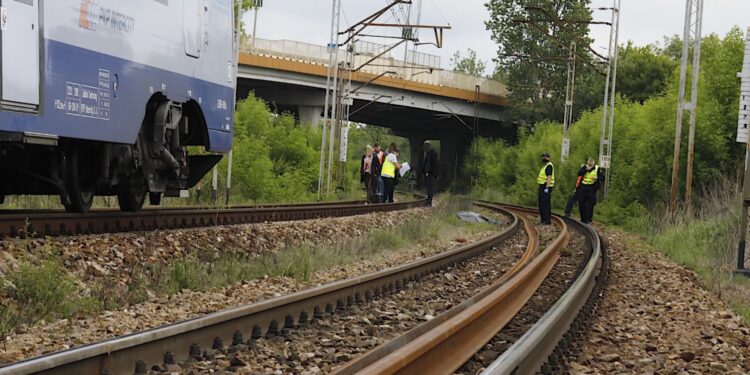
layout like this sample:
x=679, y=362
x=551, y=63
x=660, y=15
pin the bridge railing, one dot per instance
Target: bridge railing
x=420, y=67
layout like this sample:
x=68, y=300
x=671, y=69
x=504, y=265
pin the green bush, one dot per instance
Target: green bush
x=44, y=291
x=276, y=159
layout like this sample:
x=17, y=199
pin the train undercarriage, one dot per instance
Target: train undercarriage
x=157, y=164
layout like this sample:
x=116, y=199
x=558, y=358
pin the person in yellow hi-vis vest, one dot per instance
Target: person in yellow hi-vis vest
x=592, y=179
x=391, y=166
x=546, y=182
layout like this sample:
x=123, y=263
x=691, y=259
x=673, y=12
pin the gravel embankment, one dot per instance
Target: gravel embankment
x=554, y=286
x=334, y=340
x=115, y=255
x=63, y=334
x=657, y=318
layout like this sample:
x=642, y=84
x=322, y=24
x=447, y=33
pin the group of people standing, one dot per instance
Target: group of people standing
x=587, y=184
x=380, y=171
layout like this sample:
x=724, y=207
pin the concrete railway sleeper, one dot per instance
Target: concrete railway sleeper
x=165, y=346
x=57, y=223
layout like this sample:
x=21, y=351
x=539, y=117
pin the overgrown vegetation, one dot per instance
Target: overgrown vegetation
x=276, y=159
x=42, y=291
x=644, y=129
x=643, y=142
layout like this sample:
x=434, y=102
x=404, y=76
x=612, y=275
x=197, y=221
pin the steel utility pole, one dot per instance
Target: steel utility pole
x=237, y=32
x=337, y=110
x=569, y=94
x=743, y=127
x=610, y=87
x=333, y=50
x=693, y=26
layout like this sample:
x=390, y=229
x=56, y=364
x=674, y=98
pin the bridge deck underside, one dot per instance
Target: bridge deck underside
x=286, y=97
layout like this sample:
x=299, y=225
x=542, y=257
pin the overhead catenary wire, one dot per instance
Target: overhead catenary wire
x=440, y=13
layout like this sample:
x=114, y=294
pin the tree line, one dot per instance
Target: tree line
x=644, y=131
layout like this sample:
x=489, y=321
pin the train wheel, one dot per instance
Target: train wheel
x=79, y=188
x=132, y=194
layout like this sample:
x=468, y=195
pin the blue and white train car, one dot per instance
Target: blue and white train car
x=102, y=97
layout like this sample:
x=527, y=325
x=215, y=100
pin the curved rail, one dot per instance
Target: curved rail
x=183, y=340
x=531, y=351
x=56, y=223
x=444, y=344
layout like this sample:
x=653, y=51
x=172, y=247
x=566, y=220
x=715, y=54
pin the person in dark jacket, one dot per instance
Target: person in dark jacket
x=429, y=170
x=576, y=196
x=365, y=172
x=378, y=187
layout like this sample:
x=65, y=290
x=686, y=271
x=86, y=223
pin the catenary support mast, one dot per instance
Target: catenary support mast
x=692, y=33
x=608, y=116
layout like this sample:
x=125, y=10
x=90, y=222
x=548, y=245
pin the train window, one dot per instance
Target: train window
x=193, y=20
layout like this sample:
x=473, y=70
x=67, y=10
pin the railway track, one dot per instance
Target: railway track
x=441, y=345
x=19, y=223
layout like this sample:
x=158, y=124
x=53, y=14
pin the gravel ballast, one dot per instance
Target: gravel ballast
x=336, y=339
x=656, y=318
x=63, y=334
x=562, y=275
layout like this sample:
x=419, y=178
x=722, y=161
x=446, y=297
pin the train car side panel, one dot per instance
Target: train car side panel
x=102, y=60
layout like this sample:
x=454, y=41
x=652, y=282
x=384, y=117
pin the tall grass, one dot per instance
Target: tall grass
x=300, y=262
x=40, y=291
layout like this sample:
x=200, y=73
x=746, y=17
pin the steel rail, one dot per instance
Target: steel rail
x=12, y=211
x=362, y=362
x=110, y=221
x=445, y=345
x=530, y=352
x=184, y=340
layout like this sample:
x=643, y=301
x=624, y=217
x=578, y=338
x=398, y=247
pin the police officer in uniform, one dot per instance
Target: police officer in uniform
x=589, y=186
x=576, y=197
x=546, y=182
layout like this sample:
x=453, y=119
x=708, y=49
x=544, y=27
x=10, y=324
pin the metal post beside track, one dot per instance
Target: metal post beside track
x=743, y=126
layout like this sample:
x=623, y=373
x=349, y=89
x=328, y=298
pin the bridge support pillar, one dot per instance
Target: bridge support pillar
x=310, y=114
x=454, y=146
x=415, y=149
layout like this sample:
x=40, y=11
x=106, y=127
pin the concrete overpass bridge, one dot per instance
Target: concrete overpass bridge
x=416, y=99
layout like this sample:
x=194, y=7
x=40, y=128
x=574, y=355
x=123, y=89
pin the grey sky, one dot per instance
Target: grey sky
x=643, y=21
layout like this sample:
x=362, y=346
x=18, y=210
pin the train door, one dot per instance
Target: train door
x=193, y=21
x=19, y=38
